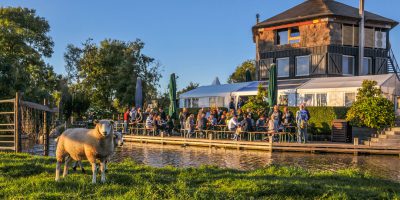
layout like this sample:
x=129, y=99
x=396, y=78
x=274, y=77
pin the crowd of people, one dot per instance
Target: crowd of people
x=236, y=120
x=158, y=121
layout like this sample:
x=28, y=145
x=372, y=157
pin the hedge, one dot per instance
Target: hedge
x=320, y=121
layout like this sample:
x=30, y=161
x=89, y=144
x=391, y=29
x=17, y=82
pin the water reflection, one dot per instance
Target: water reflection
x=162, y=155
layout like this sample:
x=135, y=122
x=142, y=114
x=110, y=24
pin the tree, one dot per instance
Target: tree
x=24, y=41
x=240, y=72
x=191, y=86
x=371, y=109
x=107, y=72
x=258, y=103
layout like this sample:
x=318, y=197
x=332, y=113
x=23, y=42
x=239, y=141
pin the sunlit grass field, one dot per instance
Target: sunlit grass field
x=23, y=176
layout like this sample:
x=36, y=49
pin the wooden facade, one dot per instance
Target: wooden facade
x=324, y=60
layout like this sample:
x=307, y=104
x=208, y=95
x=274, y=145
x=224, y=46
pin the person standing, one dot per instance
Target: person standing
x=132, y=114
x=232, y=105
x=189, y=126
x=276, y=117
x=302, y=122
x=202, y=124
x=126, y=120
x=287, y=116
x=139, y=116
x=233, y=125
x=162, y=114
x=182, y=117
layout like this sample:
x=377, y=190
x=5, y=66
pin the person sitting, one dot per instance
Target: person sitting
x=246, y=124
x=261, y=123
x=149, y=122
x=222, y=120
x=212, y=120
x=287, y=116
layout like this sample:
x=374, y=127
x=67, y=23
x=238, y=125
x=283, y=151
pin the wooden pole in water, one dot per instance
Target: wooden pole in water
x=45, y=132
x=17, y=145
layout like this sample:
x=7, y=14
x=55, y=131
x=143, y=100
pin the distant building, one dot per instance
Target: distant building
x=315, y=48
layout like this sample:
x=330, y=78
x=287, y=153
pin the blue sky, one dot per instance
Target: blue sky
x=198, y=40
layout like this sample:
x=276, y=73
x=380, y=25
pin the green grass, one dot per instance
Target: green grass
x=23, y=176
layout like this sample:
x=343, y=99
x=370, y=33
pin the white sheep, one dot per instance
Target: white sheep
x=118, y=142
x=91, y=144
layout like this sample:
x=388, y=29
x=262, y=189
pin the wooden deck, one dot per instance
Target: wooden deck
x=324, y=147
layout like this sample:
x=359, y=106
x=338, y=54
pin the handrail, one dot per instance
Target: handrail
x=393, y=60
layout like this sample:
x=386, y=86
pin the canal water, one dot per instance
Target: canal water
x=387, y=167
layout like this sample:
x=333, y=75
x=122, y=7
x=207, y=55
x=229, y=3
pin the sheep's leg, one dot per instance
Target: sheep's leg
x=75, y=165
x=94, y=172
x=102, y=169
x=81, y=166
x=67, y=159
x=58, y=170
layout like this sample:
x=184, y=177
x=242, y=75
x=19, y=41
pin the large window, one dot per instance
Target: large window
x=318, y=99
x=302, y=65
x=288, y=36
x=349, y=99
x=367, y=66
x=283, y=67
x=216, y=101
x=348, y=65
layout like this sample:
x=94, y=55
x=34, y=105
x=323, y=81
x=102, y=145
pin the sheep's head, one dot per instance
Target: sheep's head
x=118, y=139
x=105, y=127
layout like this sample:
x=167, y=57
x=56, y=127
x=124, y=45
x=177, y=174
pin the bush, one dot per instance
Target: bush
x=322, y=117
x=371, y=109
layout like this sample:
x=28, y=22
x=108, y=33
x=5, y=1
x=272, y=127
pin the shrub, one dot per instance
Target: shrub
x=322, y=117
x=371, y=109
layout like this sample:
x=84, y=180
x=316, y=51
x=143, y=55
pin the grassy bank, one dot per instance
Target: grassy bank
x=26, y=176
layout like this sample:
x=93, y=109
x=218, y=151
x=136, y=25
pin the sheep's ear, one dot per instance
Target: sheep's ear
x=95, y=122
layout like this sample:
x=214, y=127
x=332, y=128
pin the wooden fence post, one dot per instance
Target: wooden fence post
x=355, y=141
x=46, y=145
x=17, y=128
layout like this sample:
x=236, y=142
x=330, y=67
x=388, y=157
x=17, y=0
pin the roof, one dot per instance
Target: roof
x=282, y=85
x=213, y=90
x=343, y=82
x=312, y=9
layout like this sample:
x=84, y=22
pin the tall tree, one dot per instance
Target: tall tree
x=239, y=75
x=107, y=72
x=24, y=42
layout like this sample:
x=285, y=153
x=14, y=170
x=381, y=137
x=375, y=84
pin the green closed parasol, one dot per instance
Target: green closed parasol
x=172, y=97
x=272, y=86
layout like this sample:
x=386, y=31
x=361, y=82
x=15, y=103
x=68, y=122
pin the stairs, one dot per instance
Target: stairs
x=390, y=138
x=392, y=64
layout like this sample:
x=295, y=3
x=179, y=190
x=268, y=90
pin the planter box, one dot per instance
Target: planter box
x=363, y=133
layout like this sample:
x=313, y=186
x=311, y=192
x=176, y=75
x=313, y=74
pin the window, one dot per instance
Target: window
x=288, y=36
x=216, y=101
x=283, y=37
x=283, y=67
x=308, y=99
x=349, y=99
x=366, y=68
x=195, y=103
x=294, y=35
x=320, y=99
x=348, y=65
x=283, y=100
x=302, y=65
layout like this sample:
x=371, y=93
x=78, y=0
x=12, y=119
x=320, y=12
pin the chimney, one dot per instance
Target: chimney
x=257, y=18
